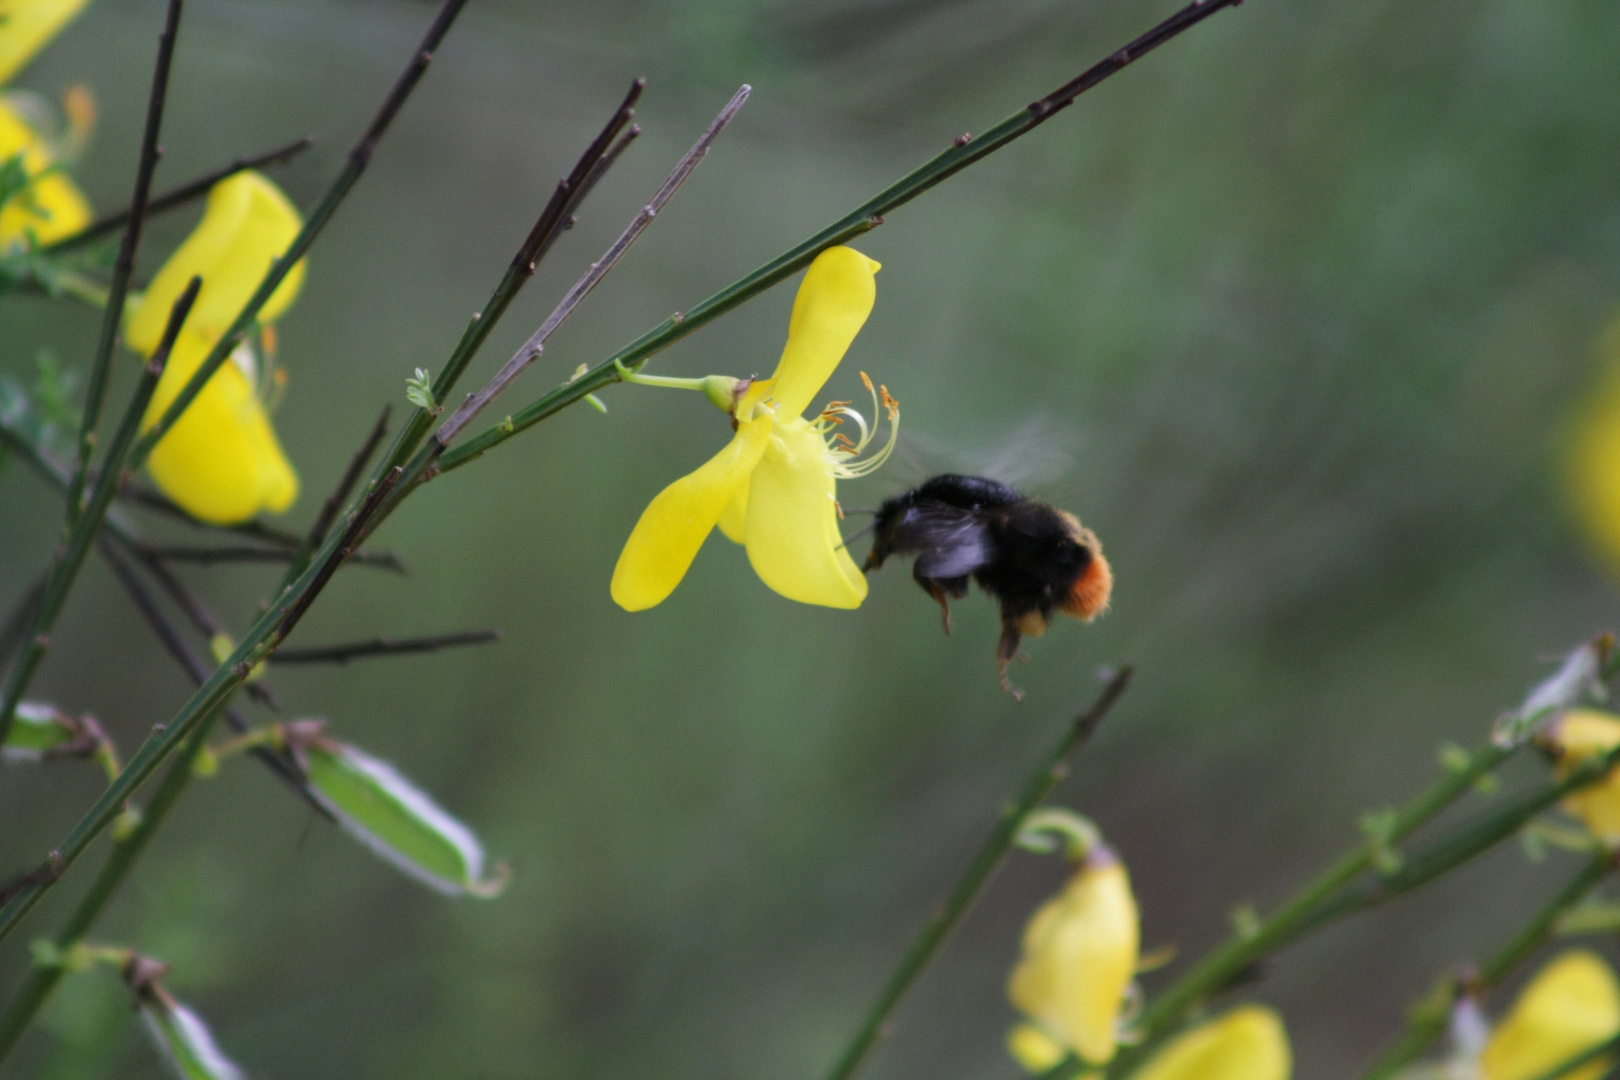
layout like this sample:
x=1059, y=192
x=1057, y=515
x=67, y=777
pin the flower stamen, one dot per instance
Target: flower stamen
x=841, y=449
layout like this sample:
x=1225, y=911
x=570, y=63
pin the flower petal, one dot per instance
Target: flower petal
x=734, y=521
x=1571, y=1006
x=834, y=300
x=673, y=527
x=52, y=206
x=792, y=524
x=27, y=26
x=247, y=225
x=1579, y=735
x=221, y=461
x=1248, y=1043
x=1080, y=954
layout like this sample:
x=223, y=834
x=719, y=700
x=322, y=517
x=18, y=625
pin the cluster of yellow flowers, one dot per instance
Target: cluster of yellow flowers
x=221, y=461
x=1075, y=985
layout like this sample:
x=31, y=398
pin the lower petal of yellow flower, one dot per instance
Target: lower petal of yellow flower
x=1248, y=1043
x=734, y=521
x=792, y=523
x=221, y=462
x=675, y=524
x=1571, y=1006
x=1034, y=1049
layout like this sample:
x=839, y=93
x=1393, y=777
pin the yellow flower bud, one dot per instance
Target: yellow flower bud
x=247, y=225
x=1080, y=952
x=1579, y=735
x=1248, y=1043
x=1571, y=1006
x=51, y=207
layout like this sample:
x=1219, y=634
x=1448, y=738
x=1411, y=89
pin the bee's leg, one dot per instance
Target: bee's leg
x=937, y=591
x=1005, y=651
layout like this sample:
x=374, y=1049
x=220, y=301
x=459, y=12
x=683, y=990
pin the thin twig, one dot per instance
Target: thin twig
x=345, y=485
x=124, y=267
x=862, y=219
x=168, y=635
x=558, y=213
x=1047, y=775
x=357, y=650
x=531, y=350
x=206, y=622
x=148, y=499
x=180, y=195
x=329, y=566
x=383, y=560
x=21, y=616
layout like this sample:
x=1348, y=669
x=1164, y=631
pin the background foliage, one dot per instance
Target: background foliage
x=1294, y=314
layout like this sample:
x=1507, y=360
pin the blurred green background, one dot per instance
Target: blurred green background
x=1294, y=313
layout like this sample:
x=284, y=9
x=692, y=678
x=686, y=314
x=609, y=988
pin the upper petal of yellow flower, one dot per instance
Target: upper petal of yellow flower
x=248, y=224
x=1579, y=734
x=1080, y=953
x=27, y=26
x=834, y=300
x=791, y=526
x=1248, y=1043
x=1572, y=1005
x=221, y=461
x=52, y=207
x=673, y=527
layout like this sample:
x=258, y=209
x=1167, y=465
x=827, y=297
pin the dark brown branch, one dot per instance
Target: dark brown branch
x=184, y=193
x=345, y=547
x=206, y=622
x=345, y=486
x=358, y=650
x=383, y=560
x=168, y=635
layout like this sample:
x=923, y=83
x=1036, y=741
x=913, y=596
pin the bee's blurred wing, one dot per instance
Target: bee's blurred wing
x=950, y=542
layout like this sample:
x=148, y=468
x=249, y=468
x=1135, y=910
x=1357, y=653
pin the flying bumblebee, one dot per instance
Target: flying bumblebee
x=1033, y=558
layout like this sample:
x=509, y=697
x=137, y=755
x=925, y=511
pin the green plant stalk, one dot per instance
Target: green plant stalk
x=1239, y=951
x=862, y=219
x=1047, y=775
x=1335, y=895
x=1429, y=1020
x=358, y=159
x=123, y=267
x=27, y=1002
x=70, y=555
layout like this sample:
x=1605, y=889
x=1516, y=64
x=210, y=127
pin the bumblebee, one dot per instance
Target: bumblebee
x=1033, y=558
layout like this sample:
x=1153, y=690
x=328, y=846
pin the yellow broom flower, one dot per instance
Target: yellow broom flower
x=27, y=26
x=1079, y=959
x=1579, y=735
x=221, y=461
x=773, y=487
x=1248, y=1043
x=1571, y=1006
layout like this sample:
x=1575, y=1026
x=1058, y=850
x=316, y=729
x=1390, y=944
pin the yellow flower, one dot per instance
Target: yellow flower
x=1578, y=735
x=1248, y=1043
x=1080, y=954
x=221, y=461
x=1571, y=1006
x=50, y=206
x=1594, y=455
x=772, y=488
x=27, y=26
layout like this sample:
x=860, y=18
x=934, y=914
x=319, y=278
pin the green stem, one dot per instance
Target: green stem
x=1051, y=770
x=1429, y=1020
x=124, y=267
x=70, y=555
x=22, y=1009
x=358, y=159
x=862, y=219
